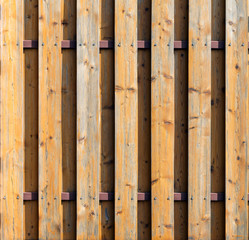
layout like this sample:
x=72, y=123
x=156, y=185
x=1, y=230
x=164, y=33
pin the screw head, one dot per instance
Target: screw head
x=17, y=197
x=42, y=44
x=192, y=44
x=168, y=198
x=118, y=198
x=243, y=45
x=205, y=198
x=80, y=44
x=155, y=198
x=132, y=198
x=4, y=197
x=119, y=44
x=94, y=198
x=93, y=44
x=132, y=44
x=81, y=198
x=243, y=198
x=155, y=45
x=192, y=198
x=42, y=197
x=55, y=44
x=55, y=198
x=206, y=44
x=229, y=198
x=229, y=44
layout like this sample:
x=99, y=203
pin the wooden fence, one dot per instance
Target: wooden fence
x=124, y=119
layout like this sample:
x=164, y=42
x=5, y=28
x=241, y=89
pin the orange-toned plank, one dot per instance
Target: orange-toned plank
x=30, y=215
x=88, y=119
x=50, y=120
x=236, y=119
x=199, y=180
x=12, y=118
x=162, y=119
x=126, y=119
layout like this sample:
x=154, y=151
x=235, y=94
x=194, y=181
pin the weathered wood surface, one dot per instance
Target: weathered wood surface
x=12, y=118
x=144, y=119
x=199, y=180
x=162, y=119
x=50, y=120
x=126, y=119
x=69, y=119
x=236, y=119
x=218, y=120
x=30, y=214
x=88, y=119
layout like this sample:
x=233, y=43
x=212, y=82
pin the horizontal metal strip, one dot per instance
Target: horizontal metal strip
x=109, y=44
x=105, y=196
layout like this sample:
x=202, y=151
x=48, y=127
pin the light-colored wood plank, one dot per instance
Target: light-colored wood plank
x=88, y=119
x=162, y=119
x=126, y=119
x=12, y=118
x=30, y=215
x=199, y=180
x=50, y=120
x=236, y=119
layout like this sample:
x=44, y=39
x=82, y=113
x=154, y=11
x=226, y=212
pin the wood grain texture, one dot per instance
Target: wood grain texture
x=126, y=119
x=12, y=118
x=144, y=118
x=218, y=120
x=50, y=120
x=199, y=180
x=236, y=119
x=162, y=119
x=88, y=119
x=68, y=21
x=30, y=214
x=181, y=120
x=106, y=179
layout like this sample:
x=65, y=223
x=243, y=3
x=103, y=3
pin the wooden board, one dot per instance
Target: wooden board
x=50, y=120
x=199, y=180
x=12, y=118
x=88, y=119
x=162, y=119
x=69, y=119
x=181, y=120
x=144, y=118
x=126, y=120
x=30, y=214
x=106, y=179
x=236, y=119
x=218, y=120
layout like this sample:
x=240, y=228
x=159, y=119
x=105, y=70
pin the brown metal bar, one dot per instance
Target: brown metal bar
x=105, y=196
x=109, y=44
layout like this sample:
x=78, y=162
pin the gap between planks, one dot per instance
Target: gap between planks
x=109, y=44
x=108, y=196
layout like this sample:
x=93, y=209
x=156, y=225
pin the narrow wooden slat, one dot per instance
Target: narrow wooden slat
x=162, y=119
x=199, y=184
x=12, y=118
x=126, y=119
x=50, y=120
x=88, y=119
x=236, y=119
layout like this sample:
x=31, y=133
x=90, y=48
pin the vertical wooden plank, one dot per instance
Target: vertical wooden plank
x=162, y=119
x=50, y=120
x=218, y=120
x=199, y=205
x=68, y=22
x=126, y=119
x=144, y=119
x=30, y=215
x=236, y=119
x=181, y=120
x=12, y=118
x=88, y=119
x=106, y=179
